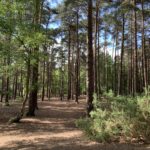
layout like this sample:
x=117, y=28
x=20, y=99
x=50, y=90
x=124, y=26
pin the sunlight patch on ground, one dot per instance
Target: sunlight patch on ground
x=53, y=128
x=39, y=121
x=8, y=140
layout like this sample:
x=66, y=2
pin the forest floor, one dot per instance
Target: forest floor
x=53, y=128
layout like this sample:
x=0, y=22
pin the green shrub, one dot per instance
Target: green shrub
x=115, y=117
x=85, y=124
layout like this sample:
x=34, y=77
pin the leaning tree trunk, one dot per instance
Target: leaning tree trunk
x=22, y=111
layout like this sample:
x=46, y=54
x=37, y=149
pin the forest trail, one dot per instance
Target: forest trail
x=53, y=128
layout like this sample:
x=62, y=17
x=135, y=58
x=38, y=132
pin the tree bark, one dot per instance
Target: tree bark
x=69, y=65
x=144, y=61
x=136, y=78
x=121, y=91
x=90, y=83
x=15, y=85
x=34, y=74
x=7, y=84
x=77, y=59
x=43, y=82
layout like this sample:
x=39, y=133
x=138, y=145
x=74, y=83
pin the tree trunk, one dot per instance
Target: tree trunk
x=22, y=111
x=61, y=83
x=77, y=59
x=2, y=88
x=136, y=83
x=95, y=49
x=121, y=91
x=144, y=61
x=69, y=65
x=34, y=74
x=115, y=66
x=21, y=84
x=98, y=60
x=16, y=85
x=90, y=83
x=43, y=82
x=7, y=84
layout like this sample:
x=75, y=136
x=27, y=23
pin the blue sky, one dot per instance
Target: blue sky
x=57, y=23
x=54, y=4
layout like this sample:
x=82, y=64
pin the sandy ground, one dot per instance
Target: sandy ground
x=53, y=128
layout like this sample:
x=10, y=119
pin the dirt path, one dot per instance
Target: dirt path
x=53, y=128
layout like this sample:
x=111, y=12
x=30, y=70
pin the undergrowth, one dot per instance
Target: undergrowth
x=115, y=118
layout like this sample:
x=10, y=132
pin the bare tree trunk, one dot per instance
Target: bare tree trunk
x=136, y=86
x=72, y=75
x=49, y=80
x=95, y=49
x=61, y=82
x=90, y=84
x=15, y=85
x=69, y=65
x=122, y=60
x=144, y=61
x=104, y=59
x=21, y=83
x=115, y=65
x=2, y=88
x=43, y=82
x=7, y=85
x=77, y=60
x=98, y=60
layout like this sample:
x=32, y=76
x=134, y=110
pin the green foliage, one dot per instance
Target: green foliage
x=83, y=79
x=118, y=117
x=85, y=124
x=109, y=94
x=147, y=91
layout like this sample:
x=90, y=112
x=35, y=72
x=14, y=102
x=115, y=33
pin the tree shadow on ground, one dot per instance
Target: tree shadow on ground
x=53, y=128
x=66, y=144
